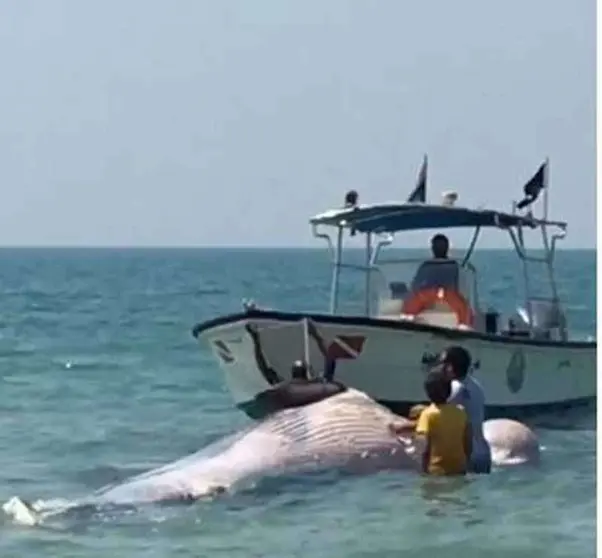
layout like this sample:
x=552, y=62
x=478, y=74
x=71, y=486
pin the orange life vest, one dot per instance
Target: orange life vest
x=426, y=298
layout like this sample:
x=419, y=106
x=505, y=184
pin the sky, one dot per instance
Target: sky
x=210, y=123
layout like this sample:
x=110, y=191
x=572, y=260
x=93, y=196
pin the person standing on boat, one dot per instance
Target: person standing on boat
x=455, y=361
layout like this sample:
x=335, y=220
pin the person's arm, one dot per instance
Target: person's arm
x=329, y=364
x=423, y=439
x=419, y=279
x=468, y=439
x=313, y=332
x=402, y=426
x=270, y=374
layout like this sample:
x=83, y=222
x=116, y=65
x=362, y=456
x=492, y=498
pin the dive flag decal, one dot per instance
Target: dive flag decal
x=346, y=347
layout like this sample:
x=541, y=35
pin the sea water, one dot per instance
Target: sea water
x=101, y=379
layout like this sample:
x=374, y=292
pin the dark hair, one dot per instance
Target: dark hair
x=459, y=359
x=437, y=387
x=299, y=370
x=439, y=245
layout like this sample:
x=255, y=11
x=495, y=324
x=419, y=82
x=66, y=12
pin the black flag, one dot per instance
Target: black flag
x=533, y=188
x=419, y=193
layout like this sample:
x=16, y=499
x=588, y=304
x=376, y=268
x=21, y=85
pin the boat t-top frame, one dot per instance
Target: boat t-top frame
x=380, y=222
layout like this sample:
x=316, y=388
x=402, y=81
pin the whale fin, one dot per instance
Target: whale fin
x=21, y=512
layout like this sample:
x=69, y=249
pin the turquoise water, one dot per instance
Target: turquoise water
x=100, y=379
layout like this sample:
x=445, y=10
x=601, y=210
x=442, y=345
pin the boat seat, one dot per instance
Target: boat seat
x=399, y=290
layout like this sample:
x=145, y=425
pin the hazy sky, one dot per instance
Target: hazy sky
x=213, y=122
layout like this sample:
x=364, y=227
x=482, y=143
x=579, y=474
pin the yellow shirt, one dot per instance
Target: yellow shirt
x=444, y=427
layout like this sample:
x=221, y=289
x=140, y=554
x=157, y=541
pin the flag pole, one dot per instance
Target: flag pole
x=425, y=167
x=306, y=343
x=545, y=188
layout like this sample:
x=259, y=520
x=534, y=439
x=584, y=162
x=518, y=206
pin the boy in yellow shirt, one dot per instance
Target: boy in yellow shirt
x=442, y=430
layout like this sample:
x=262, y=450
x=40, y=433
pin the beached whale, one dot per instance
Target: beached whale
x=348, y=431
x=511, y=442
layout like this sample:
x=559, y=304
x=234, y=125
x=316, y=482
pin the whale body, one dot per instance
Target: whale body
x=511, y=442
x=349, y=431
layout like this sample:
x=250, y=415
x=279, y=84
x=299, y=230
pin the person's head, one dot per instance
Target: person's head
x=439, y=246
x=455, y=362
x=437, y=387
x=299, y=370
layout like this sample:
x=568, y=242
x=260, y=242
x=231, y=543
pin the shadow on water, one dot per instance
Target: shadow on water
x=289, y=489
x=449, y=497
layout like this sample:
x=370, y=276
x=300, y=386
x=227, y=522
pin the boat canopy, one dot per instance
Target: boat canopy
x=393, y=217
x=379, y=223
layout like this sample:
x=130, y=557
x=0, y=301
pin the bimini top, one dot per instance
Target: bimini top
x=393, y=217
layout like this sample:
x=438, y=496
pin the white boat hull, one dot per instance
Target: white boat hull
x=388, y=360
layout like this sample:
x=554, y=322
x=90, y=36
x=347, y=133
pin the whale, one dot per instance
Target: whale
x=511, y=443
x=348, y=431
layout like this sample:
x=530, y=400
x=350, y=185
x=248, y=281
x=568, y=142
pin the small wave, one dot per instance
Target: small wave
x=17, y=380
x=20, y=350
x=84, y=362
x=40, y=512
x=211, y=291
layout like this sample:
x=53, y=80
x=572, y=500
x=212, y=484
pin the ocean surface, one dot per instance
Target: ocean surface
x=100, y=379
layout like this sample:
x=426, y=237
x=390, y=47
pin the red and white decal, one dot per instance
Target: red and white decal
x=346, y=347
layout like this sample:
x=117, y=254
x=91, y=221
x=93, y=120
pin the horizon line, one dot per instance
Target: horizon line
x=241, y=247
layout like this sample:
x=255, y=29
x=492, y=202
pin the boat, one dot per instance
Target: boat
x=526, y=360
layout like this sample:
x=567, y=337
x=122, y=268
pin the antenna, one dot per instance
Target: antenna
x=546, y=187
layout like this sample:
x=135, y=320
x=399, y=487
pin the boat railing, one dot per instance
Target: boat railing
x=548, y=259
x=370, y=254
